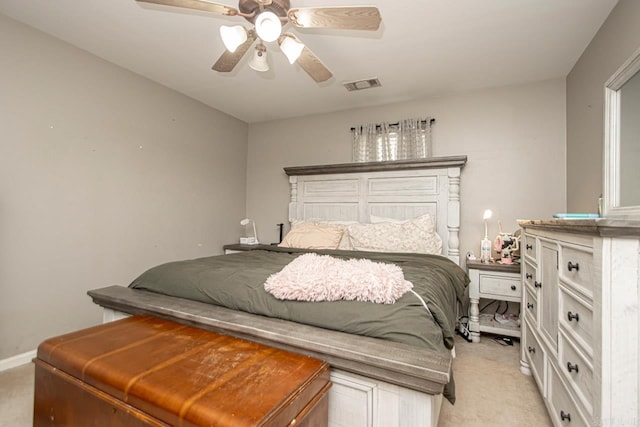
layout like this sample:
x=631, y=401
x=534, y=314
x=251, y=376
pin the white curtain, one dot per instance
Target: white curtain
x=377, y=142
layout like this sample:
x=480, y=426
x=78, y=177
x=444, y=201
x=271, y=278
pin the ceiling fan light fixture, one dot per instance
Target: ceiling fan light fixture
x=259, y=60
x=232, y=37
x=268, y=26
x=292, y=48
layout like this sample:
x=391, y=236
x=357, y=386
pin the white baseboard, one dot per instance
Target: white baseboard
x=17, y=360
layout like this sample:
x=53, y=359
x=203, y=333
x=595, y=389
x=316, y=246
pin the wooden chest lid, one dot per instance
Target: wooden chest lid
x=189, y=376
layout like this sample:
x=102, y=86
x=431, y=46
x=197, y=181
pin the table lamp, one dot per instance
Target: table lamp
x=249, y=240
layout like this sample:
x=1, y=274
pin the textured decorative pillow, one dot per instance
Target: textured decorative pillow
x=311, y=235
x=313, y=277
x=417, y=235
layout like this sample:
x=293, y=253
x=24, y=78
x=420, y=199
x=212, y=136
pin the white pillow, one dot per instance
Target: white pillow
x=417, y=235
x=425, y=221
x=378, y=219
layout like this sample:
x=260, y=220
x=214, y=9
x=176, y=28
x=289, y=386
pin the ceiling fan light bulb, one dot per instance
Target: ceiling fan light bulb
x=291, y=48
x=268, y=26
x=259, y=61
x=232, y=37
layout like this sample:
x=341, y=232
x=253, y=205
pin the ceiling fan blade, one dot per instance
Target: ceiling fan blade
x=229, y=60
x=203, y=5
x=312, y=65
x=342, y=18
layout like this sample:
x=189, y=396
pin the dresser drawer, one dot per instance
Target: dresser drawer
x=536, y=355
x=576, y=268
x=578, y=371
x=562, y=408
x=508, y=287
x=576, y=316
x=529, y=247
x=529, y=275
x=530, y=305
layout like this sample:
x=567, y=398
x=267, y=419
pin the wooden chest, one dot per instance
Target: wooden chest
x=144, y=371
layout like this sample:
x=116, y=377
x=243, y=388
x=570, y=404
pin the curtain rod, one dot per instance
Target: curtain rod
x=398, y=123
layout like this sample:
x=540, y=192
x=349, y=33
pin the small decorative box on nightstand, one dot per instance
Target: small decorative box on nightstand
x=497, y=282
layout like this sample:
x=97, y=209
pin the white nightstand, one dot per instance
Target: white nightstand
x=238, y=247
x=497, y=282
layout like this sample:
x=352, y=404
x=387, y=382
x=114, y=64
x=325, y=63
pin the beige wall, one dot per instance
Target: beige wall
x=102, y=174
x=616, y=40
x=514, y=138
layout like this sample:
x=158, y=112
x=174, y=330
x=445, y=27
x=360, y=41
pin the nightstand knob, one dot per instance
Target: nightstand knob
x=529, y=247
x=571, y=367
x=565, y=416
x=513, y=287
x=572, y=266
x=572, y=316
x=537, y=284
x=532, y=350
x=529, y=305
x=528, y=276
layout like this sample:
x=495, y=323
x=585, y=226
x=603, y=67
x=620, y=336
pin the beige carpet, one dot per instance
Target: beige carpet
x=16, y=396
x=490, y=389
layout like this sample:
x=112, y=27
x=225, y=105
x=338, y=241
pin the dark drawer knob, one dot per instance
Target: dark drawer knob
x=565, y=416
x=537, y=284
x=529, y=305
x=571, y=316
x=529, y=247
x=513, y=287
x=571, y=367
x=529, y=276
x=575, y=266
x=532, y=350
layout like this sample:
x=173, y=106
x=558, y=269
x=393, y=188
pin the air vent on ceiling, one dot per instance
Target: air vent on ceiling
x=362, y=84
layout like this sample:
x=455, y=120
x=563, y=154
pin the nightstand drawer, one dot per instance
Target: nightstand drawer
x=500, y=286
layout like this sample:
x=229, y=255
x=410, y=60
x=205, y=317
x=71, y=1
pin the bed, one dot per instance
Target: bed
x=376, y=381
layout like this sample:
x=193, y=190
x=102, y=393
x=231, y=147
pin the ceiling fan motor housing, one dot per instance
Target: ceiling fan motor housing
x=252, y=7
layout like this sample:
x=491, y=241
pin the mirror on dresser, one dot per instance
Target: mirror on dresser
x=622, y=141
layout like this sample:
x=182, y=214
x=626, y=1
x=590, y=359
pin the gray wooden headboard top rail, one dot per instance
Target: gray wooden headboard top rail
x=429, y=163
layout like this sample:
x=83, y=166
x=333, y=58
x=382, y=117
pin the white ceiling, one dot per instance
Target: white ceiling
x=423, y=48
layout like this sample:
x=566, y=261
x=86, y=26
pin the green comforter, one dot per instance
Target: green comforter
x=236, y=281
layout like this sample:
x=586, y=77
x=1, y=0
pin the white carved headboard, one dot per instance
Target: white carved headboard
x=400, y=190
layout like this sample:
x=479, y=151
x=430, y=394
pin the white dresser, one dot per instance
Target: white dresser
x=580, y=293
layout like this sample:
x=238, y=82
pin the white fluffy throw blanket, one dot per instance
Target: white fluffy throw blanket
x=313, y=277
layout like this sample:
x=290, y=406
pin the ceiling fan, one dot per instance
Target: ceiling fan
x=268, y=18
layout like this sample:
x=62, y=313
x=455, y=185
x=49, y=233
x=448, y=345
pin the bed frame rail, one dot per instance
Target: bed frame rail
x=395, y=363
